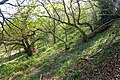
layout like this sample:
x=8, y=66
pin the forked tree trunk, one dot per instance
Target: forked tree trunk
x=28, y=51
x=27, y=47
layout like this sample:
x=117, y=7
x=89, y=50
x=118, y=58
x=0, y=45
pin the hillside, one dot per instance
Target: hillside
x=60, y=40
x=96, y=59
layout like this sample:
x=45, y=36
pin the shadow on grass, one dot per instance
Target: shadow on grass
x=80, y=47
x=12, y=57
x=51, y=66
x=57, y=64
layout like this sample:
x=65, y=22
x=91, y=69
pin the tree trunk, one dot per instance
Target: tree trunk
x=54, y=31
x=28, y=51
x=54, y=38
x=83, y=34
x=27, y=47
x=66, y=35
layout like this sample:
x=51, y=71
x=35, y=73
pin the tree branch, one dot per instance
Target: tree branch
x=65, y=10
x=3, y=2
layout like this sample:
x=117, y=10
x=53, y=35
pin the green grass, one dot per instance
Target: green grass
x=52, y=61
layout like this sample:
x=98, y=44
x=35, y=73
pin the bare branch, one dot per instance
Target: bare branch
x=3, y=2
x=46, y=9
x=79, y=11
x=73, y=15
x=65, y=10
x=54, y=10
x=2, y=23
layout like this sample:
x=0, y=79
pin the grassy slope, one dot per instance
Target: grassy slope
x=54, y=63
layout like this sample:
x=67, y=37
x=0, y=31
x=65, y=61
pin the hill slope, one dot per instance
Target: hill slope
x=97, y=59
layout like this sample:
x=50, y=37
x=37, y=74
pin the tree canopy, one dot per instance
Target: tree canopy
x=37, y=19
